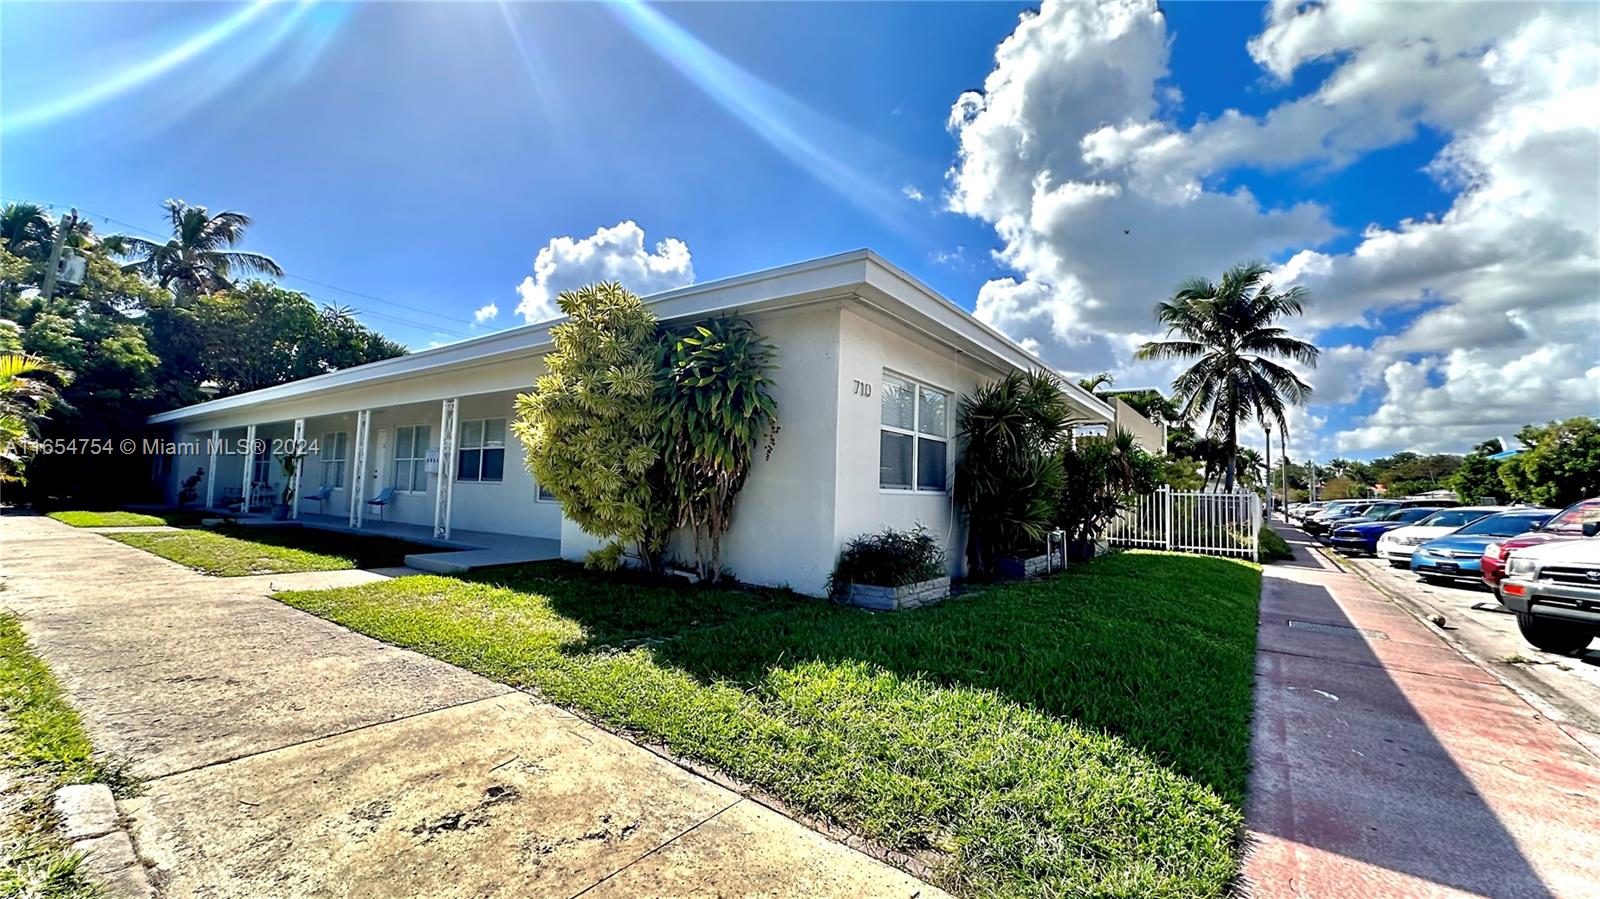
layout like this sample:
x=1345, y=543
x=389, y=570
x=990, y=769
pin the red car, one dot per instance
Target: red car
x=1566, y=526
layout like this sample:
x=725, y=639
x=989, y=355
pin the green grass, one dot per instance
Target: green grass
x=42, y=747
x=1084, y=735
x=1273, y=547
x=124, y=519
x=235, y=552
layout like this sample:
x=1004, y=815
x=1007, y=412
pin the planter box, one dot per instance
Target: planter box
x=891, y=599
x=1021, y=569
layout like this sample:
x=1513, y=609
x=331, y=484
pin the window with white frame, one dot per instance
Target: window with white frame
x=332, y=450
x=411, y=459
x=914, y=442
x=261, y=469
x=545, y=496
x=482, y=455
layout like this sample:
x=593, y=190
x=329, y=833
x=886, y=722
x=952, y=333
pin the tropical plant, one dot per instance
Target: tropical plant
x=199, y=257
x=1095, y=382
x=1252, y=468
x=715, y=409
x=590, y=428
x=1008, y=477
x=889, y=558
x=1559, y=464
x=28, y=391
x=1100, y=477
x=189, y=490
x=26, y=231
x=1478, y=478
x=1229, y=329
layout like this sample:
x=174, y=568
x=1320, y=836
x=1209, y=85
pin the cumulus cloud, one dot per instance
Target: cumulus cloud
x=1101, y=201
x=912, y=193
x=485, y=313
x=610, y=254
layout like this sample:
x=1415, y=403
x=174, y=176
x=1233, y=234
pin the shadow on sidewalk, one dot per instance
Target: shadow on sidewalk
x=1344, y=762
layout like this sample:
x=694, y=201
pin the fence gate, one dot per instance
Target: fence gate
x=1213, y=524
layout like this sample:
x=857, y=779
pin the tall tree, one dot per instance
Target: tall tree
x=1230, y=330
x=200, y=257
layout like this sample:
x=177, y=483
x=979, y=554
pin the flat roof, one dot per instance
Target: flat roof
x=862, y=274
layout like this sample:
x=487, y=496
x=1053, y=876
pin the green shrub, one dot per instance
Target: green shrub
x=889, y=558
x=1273, y=547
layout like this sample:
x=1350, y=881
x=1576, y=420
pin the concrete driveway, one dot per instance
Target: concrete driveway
x=286, y=756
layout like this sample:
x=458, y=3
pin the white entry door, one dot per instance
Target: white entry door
x=380, y=471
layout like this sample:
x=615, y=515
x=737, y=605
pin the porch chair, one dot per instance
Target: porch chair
x=320, y=497
x=384, y=497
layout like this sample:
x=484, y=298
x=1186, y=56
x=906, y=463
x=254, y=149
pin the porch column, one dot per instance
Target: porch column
x=249, y=467
x=358, y=465
x=447, y=469
x=211, y=470
x=298, y=448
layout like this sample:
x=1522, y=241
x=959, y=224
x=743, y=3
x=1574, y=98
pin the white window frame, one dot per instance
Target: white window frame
x=480, y=446
x=261, y=469
x=915, y=434
x=409, y=460
x=331, y=445
x=539, y=491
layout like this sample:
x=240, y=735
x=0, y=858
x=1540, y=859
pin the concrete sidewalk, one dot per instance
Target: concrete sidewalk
x=1387, y=764
x=286, y=756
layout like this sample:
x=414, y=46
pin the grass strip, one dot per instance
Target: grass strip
x=236, y=552
x=42, y=747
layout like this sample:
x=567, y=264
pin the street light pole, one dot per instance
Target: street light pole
x=1283, y=444
x=1267, y=426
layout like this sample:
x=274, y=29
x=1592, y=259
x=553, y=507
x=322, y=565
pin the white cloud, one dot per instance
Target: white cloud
x=912, y=193
x=485, y=313
x=1101, y=203
x=610, y=254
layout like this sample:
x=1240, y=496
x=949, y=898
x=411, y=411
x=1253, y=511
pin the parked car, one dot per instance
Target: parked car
x=1362, y=536
x=1555, y=590
x=1304, y=510
x=1397, y=546
x=1566, y=526
x=1340, y=511
x=1457, y=555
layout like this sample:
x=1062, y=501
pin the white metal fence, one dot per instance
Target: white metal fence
x=1213, y=524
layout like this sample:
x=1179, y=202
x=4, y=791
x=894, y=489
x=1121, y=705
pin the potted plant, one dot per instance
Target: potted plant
x=891, y=570
x=290, y=462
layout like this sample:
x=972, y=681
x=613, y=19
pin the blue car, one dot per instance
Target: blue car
x=1457, y=555
x=1362, y=536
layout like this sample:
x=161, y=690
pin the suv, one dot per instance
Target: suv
x=1555, y=591
x=1566, y=526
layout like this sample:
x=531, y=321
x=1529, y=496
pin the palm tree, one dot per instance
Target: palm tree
x=26, y=396
x=199, y=258
x=26, y=231
x=1103, y=379
x=1251, y=467
x=1229, y=330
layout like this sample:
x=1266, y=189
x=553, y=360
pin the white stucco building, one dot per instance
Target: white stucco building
x=872, y=365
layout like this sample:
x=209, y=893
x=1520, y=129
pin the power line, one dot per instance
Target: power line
x=365, y=312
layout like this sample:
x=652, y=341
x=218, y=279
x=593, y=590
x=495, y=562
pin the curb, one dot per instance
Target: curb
x=89, y=821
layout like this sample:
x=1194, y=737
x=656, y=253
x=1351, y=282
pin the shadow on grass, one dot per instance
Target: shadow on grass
x=1158, y=650
x=365, y=552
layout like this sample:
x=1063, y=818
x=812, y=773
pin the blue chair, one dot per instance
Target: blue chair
x=384, y=498
x=320, y=496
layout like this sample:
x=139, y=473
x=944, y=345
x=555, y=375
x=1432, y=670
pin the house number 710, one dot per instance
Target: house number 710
x=862, y=388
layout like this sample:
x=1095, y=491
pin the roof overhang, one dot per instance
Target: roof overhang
x=858, y=275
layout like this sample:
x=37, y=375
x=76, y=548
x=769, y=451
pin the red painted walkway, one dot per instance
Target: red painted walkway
x=1388, y=765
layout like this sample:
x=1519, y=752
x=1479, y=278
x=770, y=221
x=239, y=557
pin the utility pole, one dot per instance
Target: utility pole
x=1313, y=477
x=62, y=230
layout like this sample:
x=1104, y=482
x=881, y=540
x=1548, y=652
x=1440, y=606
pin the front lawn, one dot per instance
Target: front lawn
x=234, y=552
x=42, y=747
x=125, y=519
x=1084, y=735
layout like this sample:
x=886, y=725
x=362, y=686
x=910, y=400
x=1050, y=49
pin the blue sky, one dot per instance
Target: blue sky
x=421, y=156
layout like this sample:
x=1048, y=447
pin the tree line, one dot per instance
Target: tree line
x=150, y=326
